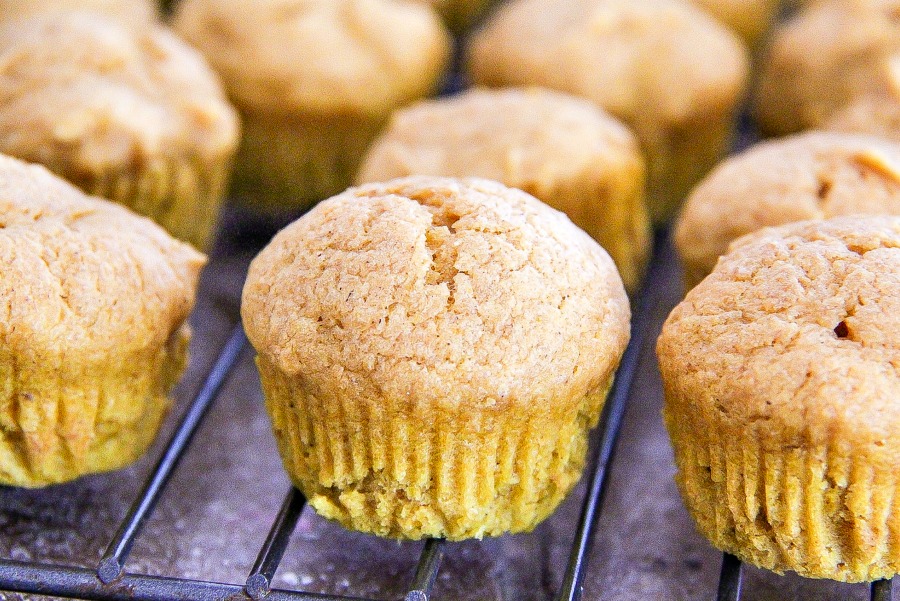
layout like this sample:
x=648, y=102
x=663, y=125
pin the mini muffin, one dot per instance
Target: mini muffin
x=748, y=18
x=664, y=67
x=782, y=399
x=433, y=353
x=315, y=80
x=815, y=175
x=565, y=151
x=93, y=335
x=137, y=12
x=133, y=115
x=459, y=15
x=831, y=53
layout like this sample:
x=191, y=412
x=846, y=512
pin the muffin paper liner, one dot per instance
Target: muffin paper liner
x=823, y=511
x=61, y=422
x=393, y=469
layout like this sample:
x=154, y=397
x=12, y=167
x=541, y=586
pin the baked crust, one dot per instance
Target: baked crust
x=665, y=68
x=563, y=150
x=814, y=175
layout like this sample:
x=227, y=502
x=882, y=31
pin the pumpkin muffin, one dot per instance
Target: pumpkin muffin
x=93, y=334
x=781, y=382
x=132, y=115
x=750, y=19
x=563, y=150
x=664, y=67
x=829, y=55
x=315, y=80
x=433, y=353
x=815, y=175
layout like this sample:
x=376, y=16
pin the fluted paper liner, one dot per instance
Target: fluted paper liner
x=394, y=469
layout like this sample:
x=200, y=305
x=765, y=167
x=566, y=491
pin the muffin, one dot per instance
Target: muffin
x=93, y=335
x=664, y=67
x=136, y=12
x=782, y=387
x=433, y=353
x=315, y=80
x=815, y=175
x=459, y=15
x=565, y=151
x=135, y=116
x=830, y=54
x=750, y=19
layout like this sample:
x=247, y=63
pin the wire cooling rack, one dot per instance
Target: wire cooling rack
x=109, y=582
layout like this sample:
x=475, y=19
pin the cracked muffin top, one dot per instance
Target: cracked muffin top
x=794, y=335
x=815, y=175
x=318, y=56
x=82, y=275
x=448, y=289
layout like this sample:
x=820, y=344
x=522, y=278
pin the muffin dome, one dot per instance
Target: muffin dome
x=315, y=80
x=781, y=380
x=93, y=334
x=563, y=150
x=134, y=116
x=665, y=68
x=465, y=333
x=830, y=54
x=815, y=175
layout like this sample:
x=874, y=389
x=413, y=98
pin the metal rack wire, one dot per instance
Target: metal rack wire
x=109, y=582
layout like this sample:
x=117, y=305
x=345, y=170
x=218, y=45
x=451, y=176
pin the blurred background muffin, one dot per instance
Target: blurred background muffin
x=814, y=175
x=133, y=12
x=134, y=115
x=665, y=68
x=315, y=80
x=563, y=150
x=750, y=19
x=829, y=55
x=94, y=332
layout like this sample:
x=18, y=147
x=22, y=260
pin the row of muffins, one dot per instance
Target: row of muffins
x=314, y=82
x=780, y=367
x=351, y=503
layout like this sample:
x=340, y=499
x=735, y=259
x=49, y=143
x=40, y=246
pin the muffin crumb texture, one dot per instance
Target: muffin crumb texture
x=433, y=353
x=781, y=373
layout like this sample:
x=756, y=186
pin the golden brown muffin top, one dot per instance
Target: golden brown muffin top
x=748, y=18
x=447, y=290
x=135, y=12
x=815, y=175
x=829, y=54
x=654, y=61
x=795, y=334
x=82, y=91
x=526, y=138
x=83, y=277
x=319, y=56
